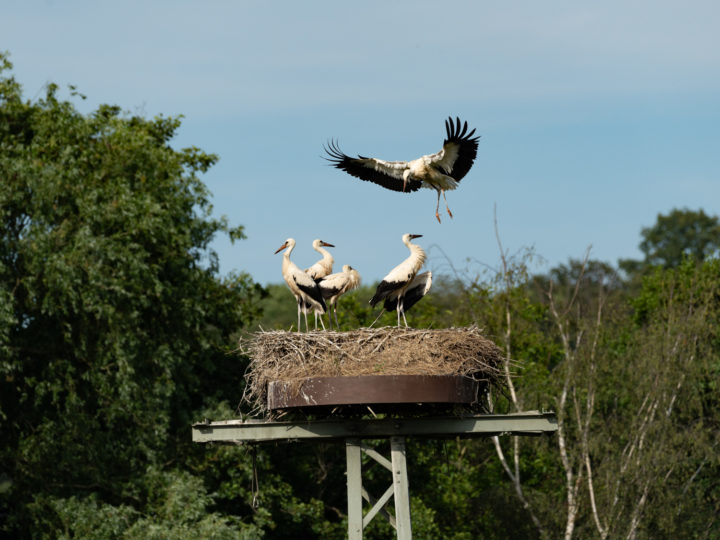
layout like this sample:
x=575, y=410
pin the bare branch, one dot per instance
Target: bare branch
x=518, y=487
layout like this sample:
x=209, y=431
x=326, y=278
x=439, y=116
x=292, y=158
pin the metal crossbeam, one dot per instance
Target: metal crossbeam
x=526, y=423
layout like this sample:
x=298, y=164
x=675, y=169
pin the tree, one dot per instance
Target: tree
x=679, y=234
x=632, y=376
x=114, y=323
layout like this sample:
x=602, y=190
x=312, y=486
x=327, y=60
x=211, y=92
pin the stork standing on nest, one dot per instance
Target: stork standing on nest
x=306, y=291
x=332, y=287
x=396, y=283
x=440, y=171
x=418, y=287
x=320, y=269
x=324, y=266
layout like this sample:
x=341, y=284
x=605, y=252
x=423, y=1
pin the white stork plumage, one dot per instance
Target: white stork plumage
x=324, y=266
x=306, y=291
x=440, y=171
x=396, y=283
x=418, y=287
x=332, y=287
x=320, y=269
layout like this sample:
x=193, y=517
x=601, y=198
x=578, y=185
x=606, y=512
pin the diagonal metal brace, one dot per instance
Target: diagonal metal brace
x=399, y=489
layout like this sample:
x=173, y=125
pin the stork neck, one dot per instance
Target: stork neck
x=325, y=253
x=418, y=252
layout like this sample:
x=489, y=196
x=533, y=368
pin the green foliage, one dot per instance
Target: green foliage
x=113, y=322
x=178, y=507
x=679, y=234
x=116, y=333
x=635, y=364
x=676, y=236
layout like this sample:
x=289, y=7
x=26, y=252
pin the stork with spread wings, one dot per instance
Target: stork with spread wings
x=441, y=171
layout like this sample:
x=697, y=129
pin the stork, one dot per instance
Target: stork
x=324, y=266
x=334, y=286
x=418, y=287
x=306, y=291
x=440, y=171
x=320, y=269
x=396, y=283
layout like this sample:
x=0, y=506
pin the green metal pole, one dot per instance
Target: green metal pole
x=402, y=488
x=354, y=488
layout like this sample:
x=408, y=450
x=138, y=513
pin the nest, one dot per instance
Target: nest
x=294, y=356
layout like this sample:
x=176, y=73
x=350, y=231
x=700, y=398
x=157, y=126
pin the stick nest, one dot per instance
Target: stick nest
x=294, y=356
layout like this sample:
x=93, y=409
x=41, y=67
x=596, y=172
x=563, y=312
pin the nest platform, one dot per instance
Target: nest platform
x=388, y=369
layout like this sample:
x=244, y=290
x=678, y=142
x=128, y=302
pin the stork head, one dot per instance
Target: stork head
x=290, y=242
x=317, y=243
x=407, y=237
x=407, y=175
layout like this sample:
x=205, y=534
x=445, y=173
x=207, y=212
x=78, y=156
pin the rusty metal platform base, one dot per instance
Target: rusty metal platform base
x=373, y=390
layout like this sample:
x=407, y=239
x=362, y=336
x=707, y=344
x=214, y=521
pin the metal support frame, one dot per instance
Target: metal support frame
x=399, y=489
x=396, y=430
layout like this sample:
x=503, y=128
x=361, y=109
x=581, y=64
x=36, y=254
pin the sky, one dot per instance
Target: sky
x=594, y=116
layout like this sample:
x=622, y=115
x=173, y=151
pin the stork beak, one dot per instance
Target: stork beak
x=323, y=243
x=413, y=236
x=281, y=248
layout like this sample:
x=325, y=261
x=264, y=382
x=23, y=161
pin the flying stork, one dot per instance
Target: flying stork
x=306, y=291
x=397, y=282
x=334, y=286
x=440, y=171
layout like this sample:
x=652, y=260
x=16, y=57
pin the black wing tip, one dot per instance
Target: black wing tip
x=334, y=155
x=457, y=130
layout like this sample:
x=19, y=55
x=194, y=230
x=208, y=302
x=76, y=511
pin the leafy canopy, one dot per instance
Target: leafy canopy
x=114, y=325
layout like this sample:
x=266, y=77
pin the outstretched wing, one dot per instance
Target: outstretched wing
x=388, y=174
x=459, y=150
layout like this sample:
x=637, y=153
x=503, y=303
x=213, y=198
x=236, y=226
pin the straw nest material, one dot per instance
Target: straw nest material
x=294, y=356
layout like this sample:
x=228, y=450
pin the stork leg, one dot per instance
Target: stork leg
x=402, y=308
x=398, y=308
x=337, y=324
x=446, y=204
x=437, y=214
x=377, y=318
x=307, y=328
x=318, y=315
x=329, y=316
x=299, y=308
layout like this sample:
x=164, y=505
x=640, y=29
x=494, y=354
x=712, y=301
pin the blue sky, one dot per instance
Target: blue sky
x=594, y=117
